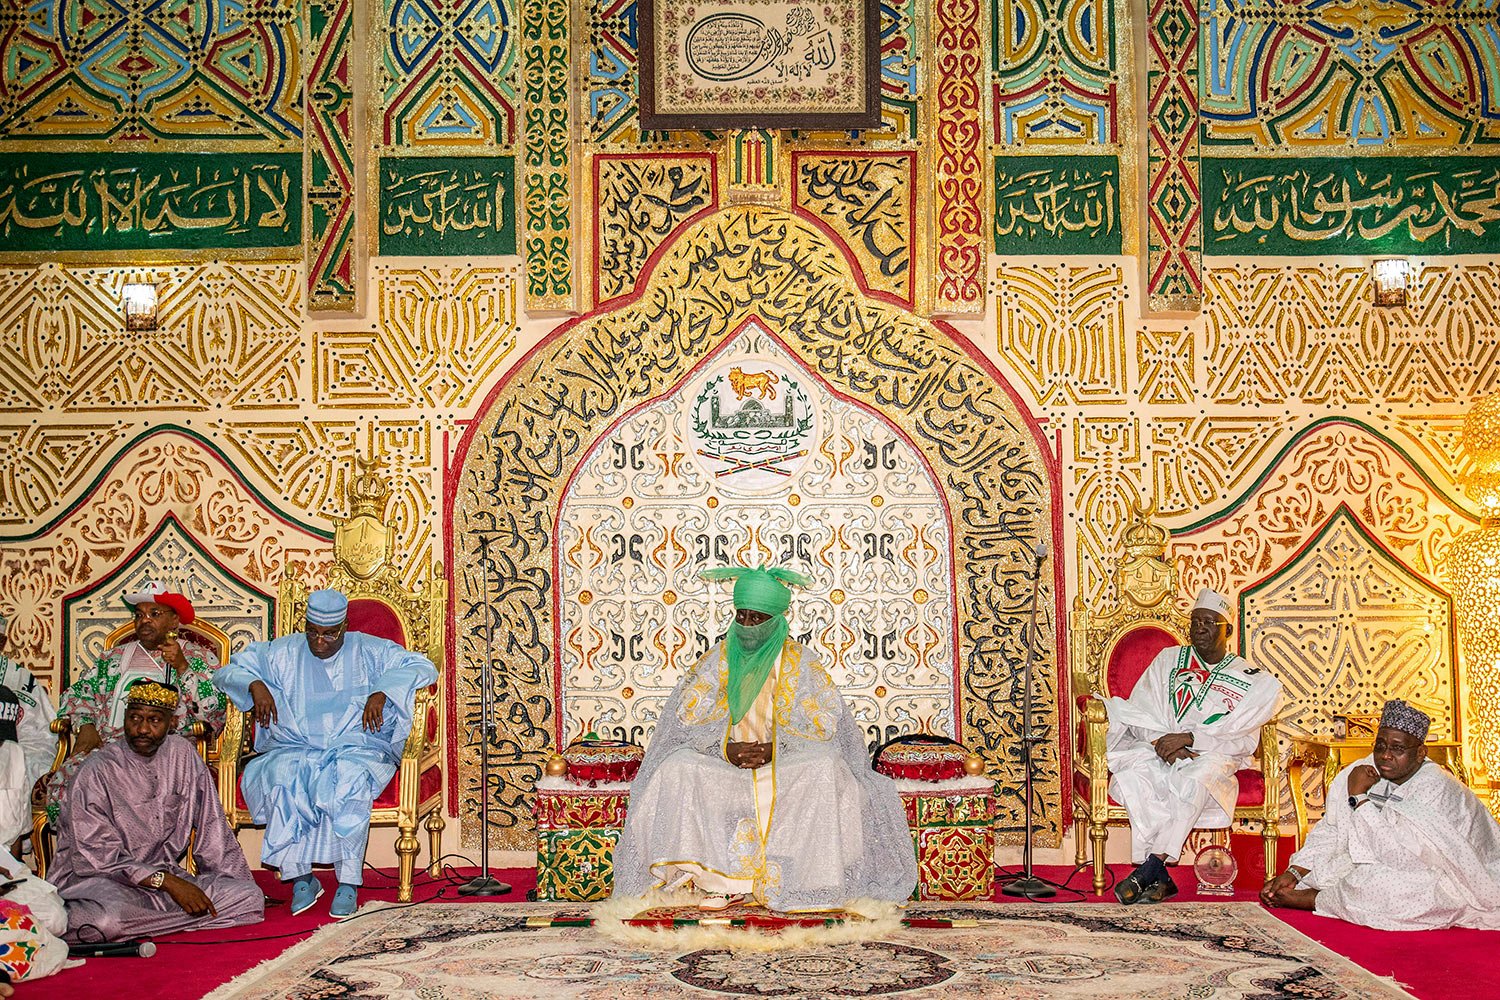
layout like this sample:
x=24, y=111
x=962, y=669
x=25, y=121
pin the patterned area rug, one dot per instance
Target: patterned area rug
x=1207, y=951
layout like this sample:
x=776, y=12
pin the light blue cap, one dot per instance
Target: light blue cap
x=327, y=607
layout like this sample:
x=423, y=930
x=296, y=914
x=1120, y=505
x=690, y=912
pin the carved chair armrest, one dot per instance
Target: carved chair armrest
x=417, y=742
x=1269, y=758
x=63, y=727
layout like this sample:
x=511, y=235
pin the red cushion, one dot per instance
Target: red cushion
x=1131, y=656
x=375, y=618
x=428, y=783
x=1252, y=788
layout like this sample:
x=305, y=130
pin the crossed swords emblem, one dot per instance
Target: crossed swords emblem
x=738, y=465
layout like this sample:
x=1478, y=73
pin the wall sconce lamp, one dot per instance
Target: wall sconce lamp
x=1391, y=275
x=140, y=305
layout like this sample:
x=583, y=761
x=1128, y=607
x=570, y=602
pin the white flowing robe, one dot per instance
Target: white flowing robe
x=811, y=830
x=1428, y=858
x=318, y=770
x=1223, y=705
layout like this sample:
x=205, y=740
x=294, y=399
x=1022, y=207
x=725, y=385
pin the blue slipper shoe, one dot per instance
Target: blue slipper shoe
x=345, y=902
x=305, y=892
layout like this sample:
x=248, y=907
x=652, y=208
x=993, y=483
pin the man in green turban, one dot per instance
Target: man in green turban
x=757, y=782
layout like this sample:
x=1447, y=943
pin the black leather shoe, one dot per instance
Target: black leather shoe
x=1161, y=891
x=1129, y=889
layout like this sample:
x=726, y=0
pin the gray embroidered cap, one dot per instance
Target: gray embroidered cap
x=1397, y=714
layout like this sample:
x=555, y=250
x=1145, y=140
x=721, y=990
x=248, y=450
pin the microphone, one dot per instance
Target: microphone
x=1040, y=552
x=113, y=949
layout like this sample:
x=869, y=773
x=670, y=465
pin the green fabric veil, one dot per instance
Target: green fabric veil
x=752, y=651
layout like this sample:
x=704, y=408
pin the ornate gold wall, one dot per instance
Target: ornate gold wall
x=419, y=205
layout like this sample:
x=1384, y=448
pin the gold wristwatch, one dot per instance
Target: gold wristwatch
x=157, y=879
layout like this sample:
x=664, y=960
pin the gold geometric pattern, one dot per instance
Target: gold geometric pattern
x=1075, y=354
x=440, y=336
x=167, y=473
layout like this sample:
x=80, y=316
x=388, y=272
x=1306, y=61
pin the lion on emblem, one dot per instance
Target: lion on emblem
x=761, y=382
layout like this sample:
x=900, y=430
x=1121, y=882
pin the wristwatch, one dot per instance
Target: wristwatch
x=157, y=879
x=1355, y=800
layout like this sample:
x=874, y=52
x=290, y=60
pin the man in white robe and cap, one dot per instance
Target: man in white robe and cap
x=1192, y=721
x=35, y=745
x=757, y=781
x=1403, y=845
x=332, y=711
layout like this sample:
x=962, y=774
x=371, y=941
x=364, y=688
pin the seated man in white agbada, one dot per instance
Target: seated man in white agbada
x=1403, y=844
x=1174, y=746
x=757, y=781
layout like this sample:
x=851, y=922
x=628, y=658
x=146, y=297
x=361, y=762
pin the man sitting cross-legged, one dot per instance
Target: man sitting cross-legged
x=332, y=711
x=1174, y=746
x=1403, y=845
x=126, y=823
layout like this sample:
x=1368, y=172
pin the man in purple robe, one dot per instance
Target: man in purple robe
x=124, y=831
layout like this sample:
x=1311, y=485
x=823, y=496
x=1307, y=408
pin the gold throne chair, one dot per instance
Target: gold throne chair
x=379, y=604
x=1110, y=654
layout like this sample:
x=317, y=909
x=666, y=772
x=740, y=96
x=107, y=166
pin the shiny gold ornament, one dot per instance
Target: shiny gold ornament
x=974, y=764
x=557, y=766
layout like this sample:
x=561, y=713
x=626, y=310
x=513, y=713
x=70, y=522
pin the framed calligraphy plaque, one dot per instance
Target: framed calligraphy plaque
x=713, y=64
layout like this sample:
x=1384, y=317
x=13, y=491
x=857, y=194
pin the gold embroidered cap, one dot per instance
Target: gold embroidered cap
x=153, y=693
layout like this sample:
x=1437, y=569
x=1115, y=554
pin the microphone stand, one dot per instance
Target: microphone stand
x=1027, y=884
x=485, y=884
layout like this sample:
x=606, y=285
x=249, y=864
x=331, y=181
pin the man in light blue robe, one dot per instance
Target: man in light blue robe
x=332, y=711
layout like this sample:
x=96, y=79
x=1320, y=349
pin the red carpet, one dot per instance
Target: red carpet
x=1431, y=965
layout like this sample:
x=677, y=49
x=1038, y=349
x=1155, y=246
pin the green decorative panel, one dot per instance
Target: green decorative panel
x=447, y=206
x=1317, y=206
x=575, y=864
x=149, y=201
x=1057, y=204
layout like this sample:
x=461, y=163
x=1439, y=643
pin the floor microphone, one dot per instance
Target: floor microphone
x=113, y=949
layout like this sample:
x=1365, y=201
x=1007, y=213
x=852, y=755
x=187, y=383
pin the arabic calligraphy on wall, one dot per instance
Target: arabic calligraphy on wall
x=719, y=274
x=138, y=201
x=444, y=206
x=870, y=201
x=1380, y=204
x=1057, y=204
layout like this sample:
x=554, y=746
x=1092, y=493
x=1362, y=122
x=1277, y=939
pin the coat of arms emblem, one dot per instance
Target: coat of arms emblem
x=752, y=425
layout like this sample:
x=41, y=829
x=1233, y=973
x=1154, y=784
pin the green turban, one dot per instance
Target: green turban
x=753, y=650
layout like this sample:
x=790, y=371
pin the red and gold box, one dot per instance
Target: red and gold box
x=576, y=832
x=952, y=834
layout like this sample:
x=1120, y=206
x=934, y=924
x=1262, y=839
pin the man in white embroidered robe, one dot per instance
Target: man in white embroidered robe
x=332, y=711
x=1174, y=746
x=757, y=781
x=1403, y=844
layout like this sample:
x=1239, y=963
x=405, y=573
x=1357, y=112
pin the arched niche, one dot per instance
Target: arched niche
x=988, y=458
x=753, y=459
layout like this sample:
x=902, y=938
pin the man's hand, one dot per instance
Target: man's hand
x=264, y=709
x=87, y=739
x=1362, y=779
x=171, y=651
x=1174, y=747
x=1269, y=892
x=193, y=900
x=374, y=711
x=748, y=755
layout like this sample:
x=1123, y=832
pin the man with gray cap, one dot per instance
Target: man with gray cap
x=33, y=735
x=1174, y=746
x=332, y=710
x=1402, y=845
